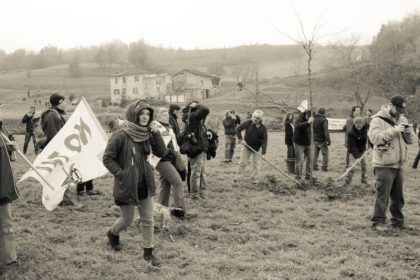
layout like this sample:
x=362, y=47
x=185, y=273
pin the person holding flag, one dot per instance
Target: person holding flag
x=8, y=193
x=126, y=157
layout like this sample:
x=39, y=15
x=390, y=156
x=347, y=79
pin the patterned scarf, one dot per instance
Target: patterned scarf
x=135, y=132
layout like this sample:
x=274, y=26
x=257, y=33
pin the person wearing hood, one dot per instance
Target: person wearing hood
x=321, y=139
x=356, y=145
x=197, y=140
x=171, y=167
x=173, y=121
x=389, y=133
x=126, y=157
x=8, y=193
x=302, y=142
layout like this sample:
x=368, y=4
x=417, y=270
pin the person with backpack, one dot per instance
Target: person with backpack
x=195, y=145
x=126, y=157
x=389, y=133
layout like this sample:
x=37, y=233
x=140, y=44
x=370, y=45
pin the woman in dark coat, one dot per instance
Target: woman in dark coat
x=288, y=138
x=8, y=193
x=134, y=184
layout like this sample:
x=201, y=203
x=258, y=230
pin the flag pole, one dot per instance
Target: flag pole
x=8, y=142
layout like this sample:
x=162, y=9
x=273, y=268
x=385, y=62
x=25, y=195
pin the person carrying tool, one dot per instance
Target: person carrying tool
x=256, y=138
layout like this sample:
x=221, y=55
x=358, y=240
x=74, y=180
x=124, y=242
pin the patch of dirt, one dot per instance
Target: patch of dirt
x=273, y=185
x=333, y=190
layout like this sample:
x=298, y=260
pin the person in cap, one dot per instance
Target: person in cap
x=126, y=157
x=52, y=119
x=389, y=133
x=321, y=139
x=8, y=193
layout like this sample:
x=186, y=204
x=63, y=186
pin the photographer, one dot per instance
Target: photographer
x=230, y=122
x=195, y=145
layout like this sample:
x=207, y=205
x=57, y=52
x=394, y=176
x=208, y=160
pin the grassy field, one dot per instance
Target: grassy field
x=270, y=230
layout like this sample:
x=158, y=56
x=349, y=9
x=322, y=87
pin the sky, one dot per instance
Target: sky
x=191, y=24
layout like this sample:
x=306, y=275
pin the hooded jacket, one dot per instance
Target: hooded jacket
x=127, y=160
x=357, y=139
x=8, y=191
x=394, y=153
x=194, y=123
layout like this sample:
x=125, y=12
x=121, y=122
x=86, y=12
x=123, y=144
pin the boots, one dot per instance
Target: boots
x=148, y=256
x=114, y=241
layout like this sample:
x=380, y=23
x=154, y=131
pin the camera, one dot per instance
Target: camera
x=191, y=138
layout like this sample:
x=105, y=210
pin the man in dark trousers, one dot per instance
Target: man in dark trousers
x=29, y=130
x=302, y=142
x=194, y=115
x=390, y=134
x=230, y=122
x=355, y=112
x=321, y=139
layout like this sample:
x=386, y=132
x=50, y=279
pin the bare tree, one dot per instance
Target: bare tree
x=357, y=71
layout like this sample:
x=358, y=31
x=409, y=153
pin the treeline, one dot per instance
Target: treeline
x=140, y=55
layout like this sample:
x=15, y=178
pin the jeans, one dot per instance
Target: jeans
x=169, y=176
x=243, y=161
x=146, y=220
x=302, y=152
x=363, y=170
x=7, y=236
x=323, y=147
x=230, y=146
x=198, y=175
x=28, y=136
x=389, y=186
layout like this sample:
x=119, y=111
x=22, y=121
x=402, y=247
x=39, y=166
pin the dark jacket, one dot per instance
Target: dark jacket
x=194, y=123
x=356, y=141
x=230, y=125
x=127, y=161
x=173, y=122
x=302, y=134
x=288, y=133
x=52, y=121
x=321, y=133
x=29, y=124
x=255, y=137
x=8, y=191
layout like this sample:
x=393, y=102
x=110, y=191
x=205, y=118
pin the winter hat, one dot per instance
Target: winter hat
x=56, y=99
x=321, y=111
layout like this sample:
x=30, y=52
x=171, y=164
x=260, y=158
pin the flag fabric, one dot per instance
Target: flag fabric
x=303, y=106
x=78, y=146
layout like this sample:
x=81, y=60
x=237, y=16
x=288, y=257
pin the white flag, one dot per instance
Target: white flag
x=79, y=144
x=303, y=106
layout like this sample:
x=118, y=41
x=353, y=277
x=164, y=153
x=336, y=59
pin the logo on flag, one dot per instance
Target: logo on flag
x=303, y=106
x=77, y=147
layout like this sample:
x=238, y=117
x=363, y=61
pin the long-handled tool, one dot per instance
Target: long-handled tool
x=6, y=139
x=354, y=164
x=274, y=166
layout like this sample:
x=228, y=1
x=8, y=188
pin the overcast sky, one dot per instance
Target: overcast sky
x=189, y=24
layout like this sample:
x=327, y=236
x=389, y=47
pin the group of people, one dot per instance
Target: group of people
x=150, y=139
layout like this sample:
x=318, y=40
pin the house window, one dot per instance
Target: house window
x=135, y=91
x=116, y=80
x=136, y=78
x=124, y=81
x=116, y=92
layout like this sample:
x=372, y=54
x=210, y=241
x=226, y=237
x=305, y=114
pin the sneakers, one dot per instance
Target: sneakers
x=403, y=227
x=379, y=227
x=316, y=168
x=150, y=257
x=114, y=241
